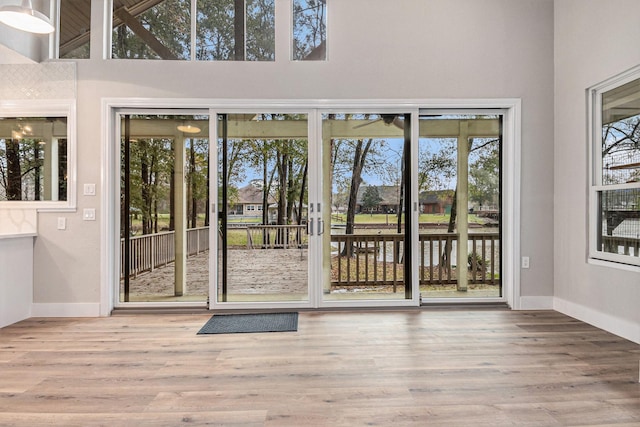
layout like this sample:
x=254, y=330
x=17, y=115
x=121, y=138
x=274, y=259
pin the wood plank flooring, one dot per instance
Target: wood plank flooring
x=483, y=367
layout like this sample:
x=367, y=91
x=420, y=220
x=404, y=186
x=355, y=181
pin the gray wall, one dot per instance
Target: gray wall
x=377, y=49
x=594, y=40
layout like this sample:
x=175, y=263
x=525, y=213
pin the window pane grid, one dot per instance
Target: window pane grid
x=615, y=189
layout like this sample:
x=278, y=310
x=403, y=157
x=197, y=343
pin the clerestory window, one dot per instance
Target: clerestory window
x=309, y=30
x=218, y=30
x=75, y=29
x=615, y=170
x=203, y=30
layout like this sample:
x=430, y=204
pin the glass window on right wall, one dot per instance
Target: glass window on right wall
x=309, y=30
x=615, y=180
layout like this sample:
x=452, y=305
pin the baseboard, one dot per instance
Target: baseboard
x=536, y=303
x=65, y=310
x=615, y=325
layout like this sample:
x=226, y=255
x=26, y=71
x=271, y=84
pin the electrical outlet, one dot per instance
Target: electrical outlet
x=525, y=262
x=62, y=223
x=89, y=214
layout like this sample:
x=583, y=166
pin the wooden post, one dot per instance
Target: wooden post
x=180, y=216
x=462, y=203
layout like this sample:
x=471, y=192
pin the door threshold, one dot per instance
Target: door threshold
x=159, y=310
x=463, y=305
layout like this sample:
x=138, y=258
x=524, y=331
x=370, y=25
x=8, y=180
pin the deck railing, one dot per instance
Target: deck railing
x=378, y=259
x=276, y=236
x=621, y=245
x=483, y=261
x=150, y=251
x=374, y=259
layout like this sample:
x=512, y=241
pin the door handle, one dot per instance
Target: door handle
x=310, y=231
x=320, y=227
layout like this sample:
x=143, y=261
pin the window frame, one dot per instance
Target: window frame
x=193, y=37
x=595, y=176
x=44, y=108
x=292, y=37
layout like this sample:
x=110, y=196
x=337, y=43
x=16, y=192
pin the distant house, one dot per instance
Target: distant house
x=431, y=202
x=249, y=201
x=436, y=202
x=390, y=195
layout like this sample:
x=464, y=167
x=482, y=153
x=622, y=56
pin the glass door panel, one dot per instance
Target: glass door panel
x=366, y=249
x=263, y=197
x=164, y=220
x=459, y=181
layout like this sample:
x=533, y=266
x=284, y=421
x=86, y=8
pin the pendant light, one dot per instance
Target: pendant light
x=25, y=18
x=188, y=128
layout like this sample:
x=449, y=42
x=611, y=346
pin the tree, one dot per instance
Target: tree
x=151, y=162
x=340, y=197
x=445, y=259
x=620, y=146
x=436, y=169
x=14, y=170
x=197, y=178
x=309, y=29
x=350, y=159
x=215, y=31
x=260, y=30
x=21, y=172
x=162, y=31
x=484, y=175
x=362, y=148
x=371, y=198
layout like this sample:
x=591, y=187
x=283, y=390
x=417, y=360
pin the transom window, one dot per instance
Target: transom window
x=615, y=185
x=309, y=30
x=202, y=30
x=194, y=29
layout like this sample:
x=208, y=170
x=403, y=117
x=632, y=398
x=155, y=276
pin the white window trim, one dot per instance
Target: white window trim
x=45, y=108
x=594, y=136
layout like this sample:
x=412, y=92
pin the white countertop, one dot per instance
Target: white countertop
x=16, y=235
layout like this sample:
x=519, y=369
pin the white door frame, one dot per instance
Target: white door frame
x=511, y=170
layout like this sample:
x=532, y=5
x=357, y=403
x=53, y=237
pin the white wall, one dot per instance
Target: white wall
x=16, y=281
x=594, y=40
x=377, y=49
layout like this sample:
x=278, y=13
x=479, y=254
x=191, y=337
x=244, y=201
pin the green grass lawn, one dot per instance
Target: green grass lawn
x=392, y=218
x=163, y=219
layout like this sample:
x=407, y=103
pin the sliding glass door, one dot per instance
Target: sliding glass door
x=164, y=215
x=366, y=169
x=460, y=215
x=264, y=208
x=310, y=208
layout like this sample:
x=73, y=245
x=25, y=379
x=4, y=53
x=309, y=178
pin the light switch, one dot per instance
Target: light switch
x=89, y=214
x=89, y=190
x=62, y=223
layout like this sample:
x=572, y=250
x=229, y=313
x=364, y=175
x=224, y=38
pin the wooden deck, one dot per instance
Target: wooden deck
x=283, y=278
x=251, y=272
x=387, y=368
x=273, y=265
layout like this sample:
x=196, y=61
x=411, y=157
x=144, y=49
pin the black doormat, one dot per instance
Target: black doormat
x=247, y=323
